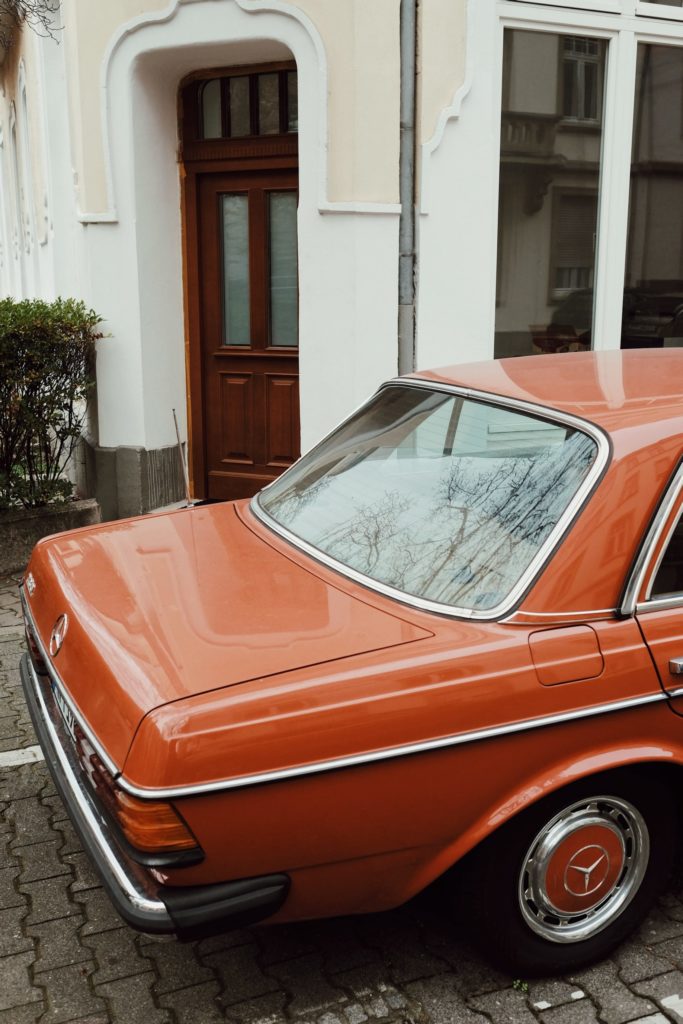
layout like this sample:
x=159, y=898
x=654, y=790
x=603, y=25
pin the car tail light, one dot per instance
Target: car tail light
x=151, y=826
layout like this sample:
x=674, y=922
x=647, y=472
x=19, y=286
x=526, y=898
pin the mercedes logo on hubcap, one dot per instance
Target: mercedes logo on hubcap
x=57, y=635
x=587, y=870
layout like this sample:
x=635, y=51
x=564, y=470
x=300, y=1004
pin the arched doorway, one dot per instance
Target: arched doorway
x=239, y=165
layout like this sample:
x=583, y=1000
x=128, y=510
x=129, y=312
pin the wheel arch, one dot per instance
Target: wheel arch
x=663, y=764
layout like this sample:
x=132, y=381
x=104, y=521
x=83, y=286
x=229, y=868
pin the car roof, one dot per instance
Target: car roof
x=615, y=390
x=636, y=396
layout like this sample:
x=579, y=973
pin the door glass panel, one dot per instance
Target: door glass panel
x=211, y=109
x=292, y=102
x=550, y=154
x=240, y=117
x=284, y=296
x=236, y=318
x=269, y=104
x=667, y=3
x=653, y=288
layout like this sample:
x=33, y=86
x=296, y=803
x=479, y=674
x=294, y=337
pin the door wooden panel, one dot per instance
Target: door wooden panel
x=247, y=306
x=235, y=438
x=282, y=407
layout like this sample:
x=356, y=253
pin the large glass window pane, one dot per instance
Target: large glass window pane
x=438, y=496
x=667, y=3
x=292, y=102
x=236, y=318
x=551, y=136
x=653, y=288
x=284, y=296
x=581, y=65
x=211, y=109
x=269, y=104
x=240, y=118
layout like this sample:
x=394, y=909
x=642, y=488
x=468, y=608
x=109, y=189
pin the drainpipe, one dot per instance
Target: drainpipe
x=406, y=231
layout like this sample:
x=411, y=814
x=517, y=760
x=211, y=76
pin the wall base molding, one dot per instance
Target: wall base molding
x=129, y=481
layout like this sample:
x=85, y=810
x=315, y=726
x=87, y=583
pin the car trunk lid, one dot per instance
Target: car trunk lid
x=170, y=606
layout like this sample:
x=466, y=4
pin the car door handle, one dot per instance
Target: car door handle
x=676, y=666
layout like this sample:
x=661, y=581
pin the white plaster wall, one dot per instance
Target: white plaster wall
x=362, y=68
x=362, y=49
x=6, y=255
x=347, y=258
x=441, y=60
x=52, y=266
x=60, y=270
x=457, y=207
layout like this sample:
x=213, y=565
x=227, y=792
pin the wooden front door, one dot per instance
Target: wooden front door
x=241, y=265
x=247, y=233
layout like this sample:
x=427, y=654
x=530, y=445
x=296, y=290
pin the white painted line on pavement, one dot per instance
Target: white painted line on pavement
x=675, y=1004
x=25, y=755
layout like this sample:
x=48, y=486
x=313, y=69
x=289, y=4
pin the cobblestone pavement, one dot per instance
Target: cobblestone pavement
x=65, y=955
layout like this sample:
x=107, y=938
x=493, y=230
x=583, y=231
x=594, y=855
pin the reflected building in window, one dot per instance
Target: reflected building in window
x=654, y=255
x=551, y=132
x=550, y=164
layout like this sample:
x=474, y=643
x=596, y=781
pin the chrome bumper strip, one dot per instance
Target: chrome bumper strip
x=136, y=889
x=423, y=747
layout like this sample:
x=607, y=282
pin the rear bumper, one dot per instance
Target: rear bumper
x=138, y=897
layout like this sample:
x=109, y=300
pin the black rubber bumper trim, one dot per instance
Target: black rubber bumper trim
x=187, y=911
x=201, y=910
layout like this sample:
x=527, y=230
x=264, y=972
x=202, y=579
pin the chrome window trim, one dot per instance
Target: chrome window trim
x=630, y=603
x=58, y=682
x=532, y=571
x=390, y=753
x=659, y=604
x=577, y=616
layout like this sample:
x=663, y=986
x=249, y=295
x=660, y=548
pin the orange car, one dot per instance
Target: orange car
x=454, y=629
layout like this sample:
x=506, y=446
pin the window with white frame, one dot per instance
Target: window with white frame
x=591, y=135
x=572, y=250
x=581, y=78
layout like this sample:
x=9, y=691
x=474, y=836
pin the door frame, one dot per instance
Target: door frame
x=205, y=156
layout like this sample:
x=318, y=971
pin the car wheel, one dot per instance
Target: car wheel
x=567, y=880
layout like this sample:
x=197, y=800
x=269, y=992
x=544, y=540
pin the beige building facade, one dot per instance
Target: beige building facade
x=224, y=182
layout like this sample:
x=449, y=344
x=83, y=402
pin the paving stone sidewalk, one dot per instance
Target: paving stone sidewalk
x=65, y=955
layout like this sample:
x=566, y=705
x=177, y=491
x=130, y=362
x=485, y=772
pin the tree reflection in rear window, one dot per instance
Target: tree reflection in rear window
x=441, y=497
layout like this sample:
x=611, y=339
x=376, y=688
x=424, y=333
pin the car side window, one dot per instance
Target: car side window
x=669, y=577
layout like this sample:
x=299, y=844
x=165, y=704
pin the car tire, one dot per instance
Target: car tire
x=567, y=880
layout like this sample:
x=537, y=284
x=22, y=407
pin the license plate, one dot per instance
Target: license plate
x=65, y=711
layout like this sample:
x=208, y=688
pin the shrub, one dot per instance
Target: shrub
x=46, y=373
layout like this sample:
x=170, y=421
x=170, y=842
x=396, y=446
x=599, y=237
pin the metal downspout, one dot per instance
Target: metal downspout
x=406, y=231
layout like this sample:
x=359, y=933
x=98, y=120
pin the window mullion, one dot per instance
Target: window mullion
x=614, y=191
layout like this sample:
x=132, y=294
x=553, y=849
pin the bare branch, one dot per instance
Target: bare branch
x=37, y=14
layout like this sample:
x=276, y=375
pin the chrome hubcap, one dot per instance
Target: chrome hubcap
x=583, y=868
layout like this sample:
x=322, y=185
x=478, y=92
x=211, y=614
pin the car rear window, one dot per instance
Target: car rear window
x=437, y=496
